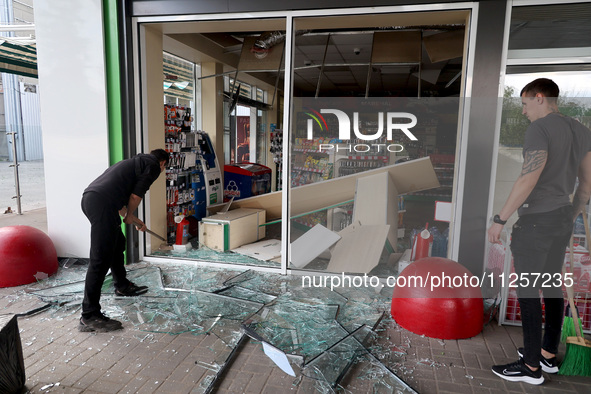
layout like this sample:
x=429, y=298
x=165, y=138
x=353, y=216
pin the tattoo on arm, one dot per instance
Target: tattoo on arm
x=534, y=160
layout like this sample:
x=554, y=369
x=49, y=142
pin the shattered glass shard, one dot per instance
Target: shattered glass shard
x=334, y=362
x=322, y=331
x=298, y=328
x=247, y=294
x=203, y=253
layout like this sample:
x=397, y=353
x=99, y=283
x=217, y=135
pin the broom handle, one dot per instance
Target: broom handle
x=569, y=290
x=570, y=293
x=573, y=308
x=586, y=224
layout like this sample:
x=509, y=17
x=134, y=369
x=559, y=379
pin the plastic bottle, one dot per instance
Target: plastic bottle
x=182, y=230
x=422, y=244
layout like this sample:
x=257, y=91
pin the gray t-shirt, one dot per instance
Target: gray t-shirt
x=567, y=142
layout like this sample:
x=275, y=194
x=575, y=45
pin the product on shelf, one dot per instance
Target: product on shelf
x=193, y=176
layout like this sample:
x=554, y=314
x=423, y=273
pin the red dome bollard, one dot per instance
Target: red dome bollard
x=435, y=309
x=26, y=255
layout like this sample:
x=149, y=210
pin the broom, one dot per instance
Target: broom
x=568, y=324
x=577, y=360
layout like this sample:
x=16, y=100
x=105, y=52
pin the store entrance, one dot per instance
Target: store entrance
x=376, y=123
x=381, y=70
x=217, y=129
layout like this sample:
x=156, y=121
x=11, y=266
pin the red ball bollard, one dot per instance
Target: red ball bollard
x=27, y=254
x=433, y=308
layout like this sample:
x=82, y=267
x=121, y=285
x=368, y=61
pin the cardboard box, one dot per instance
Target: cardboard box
x=410, y=176
x=229, y=230
x=376, y=203
x=375, y=195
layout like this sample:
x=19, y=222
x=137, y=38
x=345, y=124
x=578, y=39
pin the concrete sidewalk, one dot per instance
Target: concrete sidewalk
x=31, y=183
x=32, y=190
x=36, y=218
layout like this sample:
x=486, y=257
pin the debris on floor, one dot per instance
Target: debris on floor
x=327, y=337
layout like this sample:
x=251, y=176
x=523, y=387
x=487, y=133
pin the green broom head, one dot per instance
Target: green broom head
x=577, y=361
x=568, y=325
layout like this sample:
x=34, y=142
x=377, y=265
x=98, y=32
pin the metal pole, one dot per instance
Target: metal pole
x=322, y=66
x=16, y=180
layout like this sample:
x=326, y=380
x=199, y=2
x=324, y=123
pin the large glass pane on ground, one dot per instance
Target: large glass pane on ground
x=324, y=336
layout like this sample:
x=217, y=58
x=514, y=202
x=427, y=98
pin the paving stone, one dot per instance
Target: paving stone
x=134, y=385
x=175, y=351
x=174, y=387
x=53, y=372
x=423, y=352
x=486, y=361
x=106, y=387
x=195, y=375
x=451, y=387
x=182, y=371
x=132, y=361
x=460, y=375
x=448, y=361
x=84, y=377
x=75, y=375
x=116, y=376
x=480, y=390
x=426, y=386
x=61, y=389
x=581, y=388
x=443, y=374
x=38, y=366
x=240, y=382
x=257, y=382
x=277, y=389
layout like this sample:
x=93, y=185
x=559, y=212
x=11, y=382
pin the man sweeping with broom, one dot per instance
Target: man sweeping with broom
x=556, y=149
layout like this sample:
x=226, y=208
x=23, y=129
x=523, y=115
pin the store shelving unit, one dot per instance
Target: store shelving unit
x=185, y=185
x=444, y=169
x=309, y=164
x=353, y=164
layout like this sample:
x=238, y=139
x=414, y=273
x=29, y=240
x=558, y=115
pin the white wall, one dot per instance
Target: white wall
x=73, y=113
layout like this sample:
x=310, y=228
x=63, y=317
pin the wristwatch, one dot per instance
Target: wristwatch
x=497, y=219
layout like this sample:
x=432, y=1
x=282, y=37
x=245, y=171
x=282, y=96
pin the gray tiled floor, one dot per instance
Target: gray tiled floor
x=131, y=361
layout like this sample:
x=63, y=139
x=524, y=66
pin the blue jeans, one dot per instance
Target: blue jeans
x=538, y=244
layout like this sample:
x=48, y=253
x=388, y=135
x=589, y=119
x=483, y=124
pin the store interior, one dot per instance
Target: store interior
x=225, y=100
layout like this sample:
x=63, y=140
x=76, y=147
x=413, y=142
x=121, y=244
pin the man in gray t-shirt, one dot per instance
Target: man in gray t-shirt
x=556, y=150
x=566, y=142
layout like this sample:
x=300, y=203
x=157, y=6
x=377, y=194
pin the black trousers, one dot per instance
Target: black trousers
x=107, y=245
x=538, y=244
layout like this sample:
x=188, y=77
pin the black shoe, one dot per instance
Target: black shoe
x=131, y=290
x=99, y=324
x=549, y=365
x=518, y=372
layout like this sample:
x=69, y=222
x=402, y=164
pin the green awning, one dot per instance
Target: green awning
x=18, y=59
